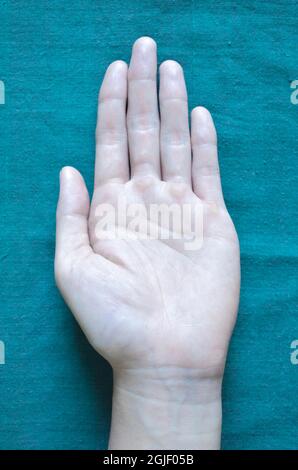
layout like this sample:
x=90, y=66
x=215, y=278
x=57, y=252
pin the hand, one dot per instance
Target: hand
x=160, y=313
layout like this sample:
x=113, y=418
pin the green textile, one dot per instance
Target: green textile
x=239, y=60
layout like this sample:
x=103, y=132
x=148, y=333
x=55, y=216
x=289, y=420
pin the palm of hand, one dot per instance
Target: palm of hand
x=150, y=303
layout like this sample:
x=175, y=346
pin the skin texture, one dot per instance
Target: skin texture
x=160, y=314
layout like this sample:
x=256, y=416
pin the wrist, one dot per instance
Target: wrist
x=165, y=408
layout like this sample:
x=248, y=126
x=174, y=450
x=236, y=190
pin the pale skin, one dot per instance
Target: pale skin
x=161, y=315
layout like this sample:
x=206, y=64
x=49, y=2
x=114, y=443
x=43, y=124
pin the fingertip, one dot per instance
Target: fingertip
x=117, y=66
x=115, y=81
x=71, y=217
x=67, y=172
x=73, y=192
x=202, y=126
x=71, y=178
x=171, y=67
x=143, y=62
x=202, y=113
x=145, y=43
x=172, y=82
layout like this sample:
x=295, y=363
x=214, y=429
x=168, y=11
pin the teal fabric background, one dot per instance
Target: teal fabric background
x=239, y=60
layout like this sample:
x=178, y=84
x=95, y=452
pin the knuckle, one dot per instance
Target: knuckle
x=143, y=182
x=178, y=188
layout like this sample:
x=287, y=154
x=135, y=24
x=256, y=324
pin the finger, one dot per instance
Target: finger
x=142, y=114
x=71, y=216
x=174, y=135
x=205, y=169
x=111, y=139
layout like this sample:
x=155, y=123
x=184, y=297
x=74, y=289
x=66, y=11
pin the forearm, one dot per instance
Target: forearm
x=165, y=409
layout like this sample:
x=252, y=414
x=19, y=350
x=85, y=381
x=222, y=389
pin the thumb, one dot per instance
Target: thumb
x=72, y=214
